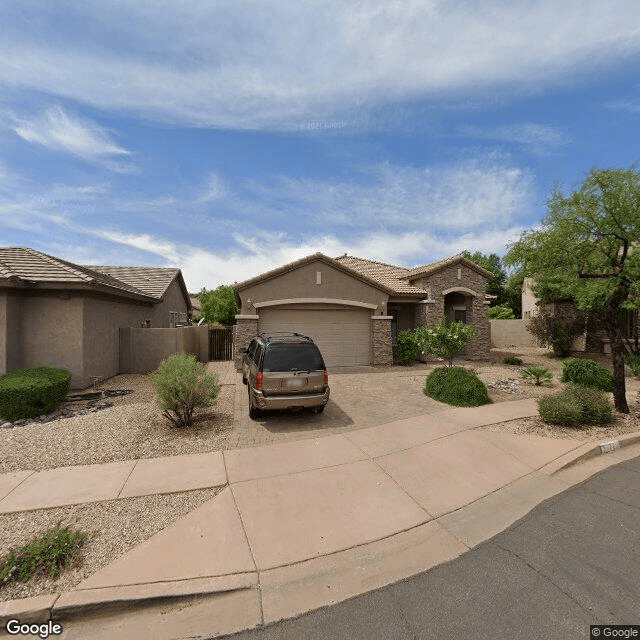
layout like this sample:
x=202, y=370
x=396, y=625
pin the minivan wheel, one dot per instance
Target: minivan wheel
x=319, y=409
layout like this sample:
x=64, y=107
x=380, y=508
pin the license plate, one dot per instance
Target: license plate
x=296, y=382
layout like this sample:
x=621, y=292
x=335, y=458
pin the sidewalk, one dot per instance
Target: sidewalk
x=308, y=523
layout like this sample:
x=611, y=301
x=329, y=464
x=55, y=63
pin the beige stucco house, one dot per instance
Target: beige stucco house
x=354, y=307
x=60, y=314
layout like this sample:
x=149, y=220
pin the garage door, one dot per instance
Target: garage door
x=343, y=335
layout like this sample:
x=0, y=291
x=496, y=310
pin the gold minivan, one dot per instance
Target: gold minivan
x=284, y=371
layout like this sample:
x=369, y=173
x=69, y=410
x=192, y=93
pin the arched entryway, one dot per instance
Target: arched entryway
x=458, y=307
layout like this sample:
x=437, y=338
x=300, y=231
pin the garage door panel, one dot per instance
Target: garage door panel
x=343, y=336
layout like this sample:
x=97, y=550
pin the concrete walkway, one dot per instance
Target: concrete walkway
x=308, y=523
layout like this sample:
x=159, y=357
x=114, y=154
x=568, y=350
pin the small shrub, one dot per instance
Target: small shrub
x=576, y=406
x=456, y=386
x=633, y=361
x=444, y=340
x=183, y=384
x=588, y=373
x=28, y=393
x=512, y=360
x=500, y=312
x=407, y=347
x=556, y=330
x=539, y=374
x=46, y=555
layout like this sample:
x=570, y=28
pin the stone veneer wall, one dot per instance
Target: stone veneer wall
x=479, y=347
x=381, y=347
x=244, y=330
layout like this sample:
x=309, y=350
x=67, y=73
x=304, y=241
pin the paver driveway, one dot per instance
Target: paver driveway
x=360, y=397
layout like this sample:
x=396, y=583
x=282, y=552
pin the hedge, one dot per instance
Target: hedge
x=28, y=393
x=456, y=386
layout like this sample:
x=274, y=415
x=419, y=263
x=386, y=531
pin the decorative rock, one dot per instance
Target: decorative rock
x=6, y=425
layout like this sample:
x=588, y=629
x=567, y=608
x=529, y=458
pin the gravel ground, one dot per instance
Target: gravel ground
x=113, y=527
x=132, y=428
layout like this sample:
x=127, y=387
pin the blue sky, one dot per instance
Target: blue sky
x=230, y=137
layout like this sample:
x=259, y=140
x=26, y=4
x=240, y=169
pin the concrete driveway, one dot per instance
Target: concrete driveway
x=360, y=397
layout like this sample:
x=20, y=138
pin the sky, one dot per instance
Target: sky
x=230, y=137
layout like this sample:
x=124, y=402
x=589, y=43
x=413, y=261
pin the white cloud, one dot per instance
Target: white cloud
x=215, y=188
x=59, y=131
x=539, y=138
x=276, y=65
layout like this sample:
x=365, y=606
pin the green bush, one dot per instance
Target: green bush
x=588, y=373
x=456, y=386
x=576, y=406
x=512, y=360
x=407, y=347
x=444, y=339
x=633, y=361
x=539, y=374
x=556, y=331
x=183, y=385
x=46, y=555
x=500, y=312
x=28, y=393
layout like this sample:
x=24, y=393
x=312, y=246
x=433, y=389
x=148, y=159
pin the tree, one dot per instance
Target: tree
x=219, y=305
x=500, y=312
x=444, y=340
x=586, y=250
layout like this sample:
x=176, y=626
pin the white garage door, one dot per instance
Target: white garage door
x=343, y=335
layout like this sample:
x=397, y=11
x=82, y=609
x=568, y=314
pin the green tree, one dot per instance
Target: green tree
x=584, y=250
x=219, y=305
x=493, y=263
x=500, y=312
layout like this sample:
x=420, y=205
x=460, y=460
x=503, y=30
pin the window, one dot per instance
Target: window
x=460, y=315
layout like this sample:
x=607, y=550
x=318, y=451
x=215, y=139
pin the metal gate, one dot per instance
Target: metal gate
x=221, y=344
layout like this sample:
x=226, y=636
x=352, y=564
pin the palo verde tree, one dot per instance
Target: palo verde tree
x=587, y=249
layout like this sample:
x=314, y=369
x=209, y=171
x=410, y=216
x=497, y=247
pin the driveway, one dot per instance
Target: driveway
x=360, y=397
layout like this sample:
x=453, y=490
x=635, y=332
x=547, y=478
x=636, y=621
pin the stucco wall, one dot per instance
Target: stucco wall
x=511, y=333
x=142, y=350
x=301, y=283
x=9, y=333
x=51, y=334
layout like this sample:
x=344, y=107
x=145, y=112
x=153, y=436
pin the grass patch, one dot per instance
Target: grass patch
x=47, y=555
x=456, y=386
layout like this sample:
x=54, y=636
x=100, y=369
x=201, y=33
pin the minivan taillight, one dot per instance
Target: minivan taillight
x=326, y=378
x=258, y=380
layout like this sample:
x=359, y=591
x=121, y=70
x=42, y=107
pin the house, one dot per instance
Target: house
x=354, y=307
x=56, y=313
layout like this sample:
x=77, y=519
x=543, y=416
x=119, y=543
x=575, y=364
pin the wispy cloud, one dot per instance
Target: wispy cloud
x=276, y=65
x=540, y=139
x=57, y=130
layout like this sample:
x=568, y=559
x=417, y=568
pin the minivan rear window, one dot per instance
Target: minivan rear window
x=285, y=357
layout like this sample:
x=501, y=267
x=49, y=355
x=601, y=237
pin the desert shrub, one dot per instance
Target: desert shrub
x=28, y=393
x=512, y=360
x=539, y=374
x=456, y=386
x=576, y=406
x=183, y=384
x=407, y=347
x=500, y=312
x=444, y=339
x=556, y=330
x=47, y=555
x=588, y=373
x=633, y=361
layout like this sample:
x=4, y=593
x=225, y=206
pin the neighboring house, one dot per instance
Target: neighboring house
x=56, y=313
x=354, y=307
x=196, y=305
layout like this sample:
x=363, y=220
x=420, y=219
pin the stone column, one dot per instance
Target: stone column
x=478, y=348
x=244, y=330
x=381, y=348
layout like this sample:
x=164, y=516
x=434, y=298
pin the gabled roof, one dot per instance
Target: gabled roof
x=153, y=281
x=434, y=267
x=22, y=265
x=391, y=276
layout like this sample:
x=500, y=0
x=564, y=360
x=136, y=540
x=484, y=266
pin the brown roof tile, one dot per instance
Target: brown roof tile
x=393, y=277
x=152, y=281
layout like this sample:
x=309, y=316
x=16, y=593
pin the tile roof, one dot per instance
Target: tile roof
x=391, y=276
x=152, y=281
x=28, y=265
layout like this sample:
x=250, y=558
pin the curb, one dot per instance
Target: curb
x=602, y=449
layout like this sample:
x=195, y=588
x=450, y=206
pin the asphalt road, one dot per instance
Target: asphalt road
x=574, y=561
